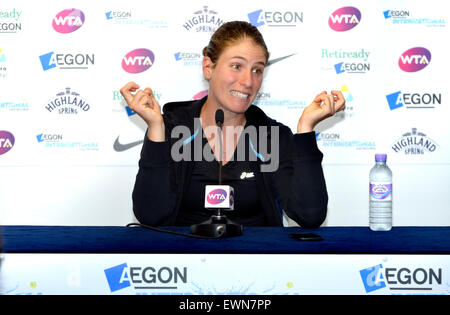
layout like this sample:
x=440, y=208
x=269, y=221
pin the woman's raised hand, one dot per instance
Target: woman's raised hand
x=324, y=106
x=144, y=104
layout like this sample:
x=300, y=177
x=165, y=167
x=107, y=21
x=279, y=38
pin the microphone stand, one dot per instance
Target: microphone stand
x=218, y=225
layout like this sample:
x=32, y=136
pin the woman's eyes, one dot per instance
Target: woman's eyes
x=239, y=67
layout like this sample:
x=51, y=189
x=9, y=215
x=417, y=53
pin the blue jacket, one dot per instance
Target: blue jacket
x=297, y=187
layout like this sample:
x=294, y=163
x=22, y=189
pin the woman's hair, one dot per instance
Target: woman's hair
x=231, y=33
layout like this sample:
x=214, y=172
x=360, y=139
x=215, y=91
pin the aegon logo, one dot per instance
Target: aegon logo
x=6, y=141
x=414, y=59
x=68, y=21
x=216, y=196
x=122, y=276
x=138, y=60
x=413, y=100
x=418, y=279
x=344, y=19
x=286, y=18
x=66, y=61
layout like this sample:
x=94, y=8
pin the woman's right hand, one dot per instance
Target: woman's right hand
x=144, y=104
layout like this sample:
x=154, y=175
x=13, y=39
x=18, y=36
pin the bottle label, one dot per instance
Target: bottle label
x=380, y=191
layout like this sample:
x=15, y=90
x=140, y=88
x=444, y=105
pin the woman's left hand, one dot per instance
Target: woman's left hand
x=324, y=106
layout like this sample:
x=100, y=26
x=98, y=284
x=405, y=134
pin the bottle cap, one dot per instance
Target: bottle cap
x=380, y=157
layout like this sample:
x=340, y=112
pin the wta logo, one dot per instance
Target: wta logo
x=138, y=60
x=216, y=196
x=6, y=141
x=68, y=21
x=414, y=59
x=344, y=19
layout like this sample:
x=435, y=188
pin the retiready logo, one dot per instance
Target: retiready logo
x=138, y=60
x=10, y=21
x=68, y=21
x=6, y=141
x=414, y=59
x=344, y=19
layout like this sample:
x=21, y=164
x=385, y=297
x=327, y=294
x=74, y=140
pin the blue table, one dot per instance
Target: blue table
x=264, y=260
x=261, y=240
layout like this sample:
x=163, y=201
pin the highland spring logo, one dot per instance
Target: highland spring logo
x=344, y=19
x=414, y=143
x=204, y=20
x=414, y=59
x=138, y=60
x=68, y=21
x=68, y=103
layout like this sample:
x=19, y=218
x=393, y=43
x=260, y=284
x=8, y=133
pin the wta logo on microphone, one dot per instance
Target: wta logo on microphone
x=219, y=196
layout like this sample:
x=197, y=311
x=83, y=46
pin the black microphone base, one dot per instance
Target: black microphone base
x=217, y=226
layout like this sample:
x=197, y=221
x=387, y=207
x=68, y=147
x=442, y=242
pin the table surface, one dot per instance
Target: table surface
x=254, y=240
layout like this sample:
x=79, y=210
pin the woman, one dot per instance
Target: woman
x=169, y=191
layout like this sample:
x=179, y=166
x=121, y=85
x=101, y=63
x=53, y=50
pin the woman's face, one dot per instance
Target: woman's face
x=236, y=77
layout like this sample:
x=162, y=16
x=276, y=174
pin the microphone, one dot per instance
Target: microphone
x=219, y=123
x=219, y=118
x=218, y=197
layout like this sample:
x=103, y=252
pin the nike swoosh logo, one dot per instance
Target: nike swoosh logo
x=119, y=147
x=271, y=62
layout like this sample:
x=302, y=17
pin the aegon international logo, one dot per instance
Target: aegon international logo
x=68, y=21
x=413, y=100
x=138, y=60
x=148, y=277
x=414, y=143
x=189, y=58
x=414, y=59
x=344, y=19
x=6, y=141
x=66, y=61
x=336, y=141
x=405, y=17
x=400, y=279
x=275, y=18
x=58, y=141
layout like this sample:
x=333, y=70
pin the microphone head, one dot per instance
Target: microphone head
x=219, y=117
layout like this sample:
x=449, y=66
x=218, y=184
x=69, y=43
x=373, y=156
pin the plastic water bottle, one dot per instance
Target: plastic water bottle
x=380, y=195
